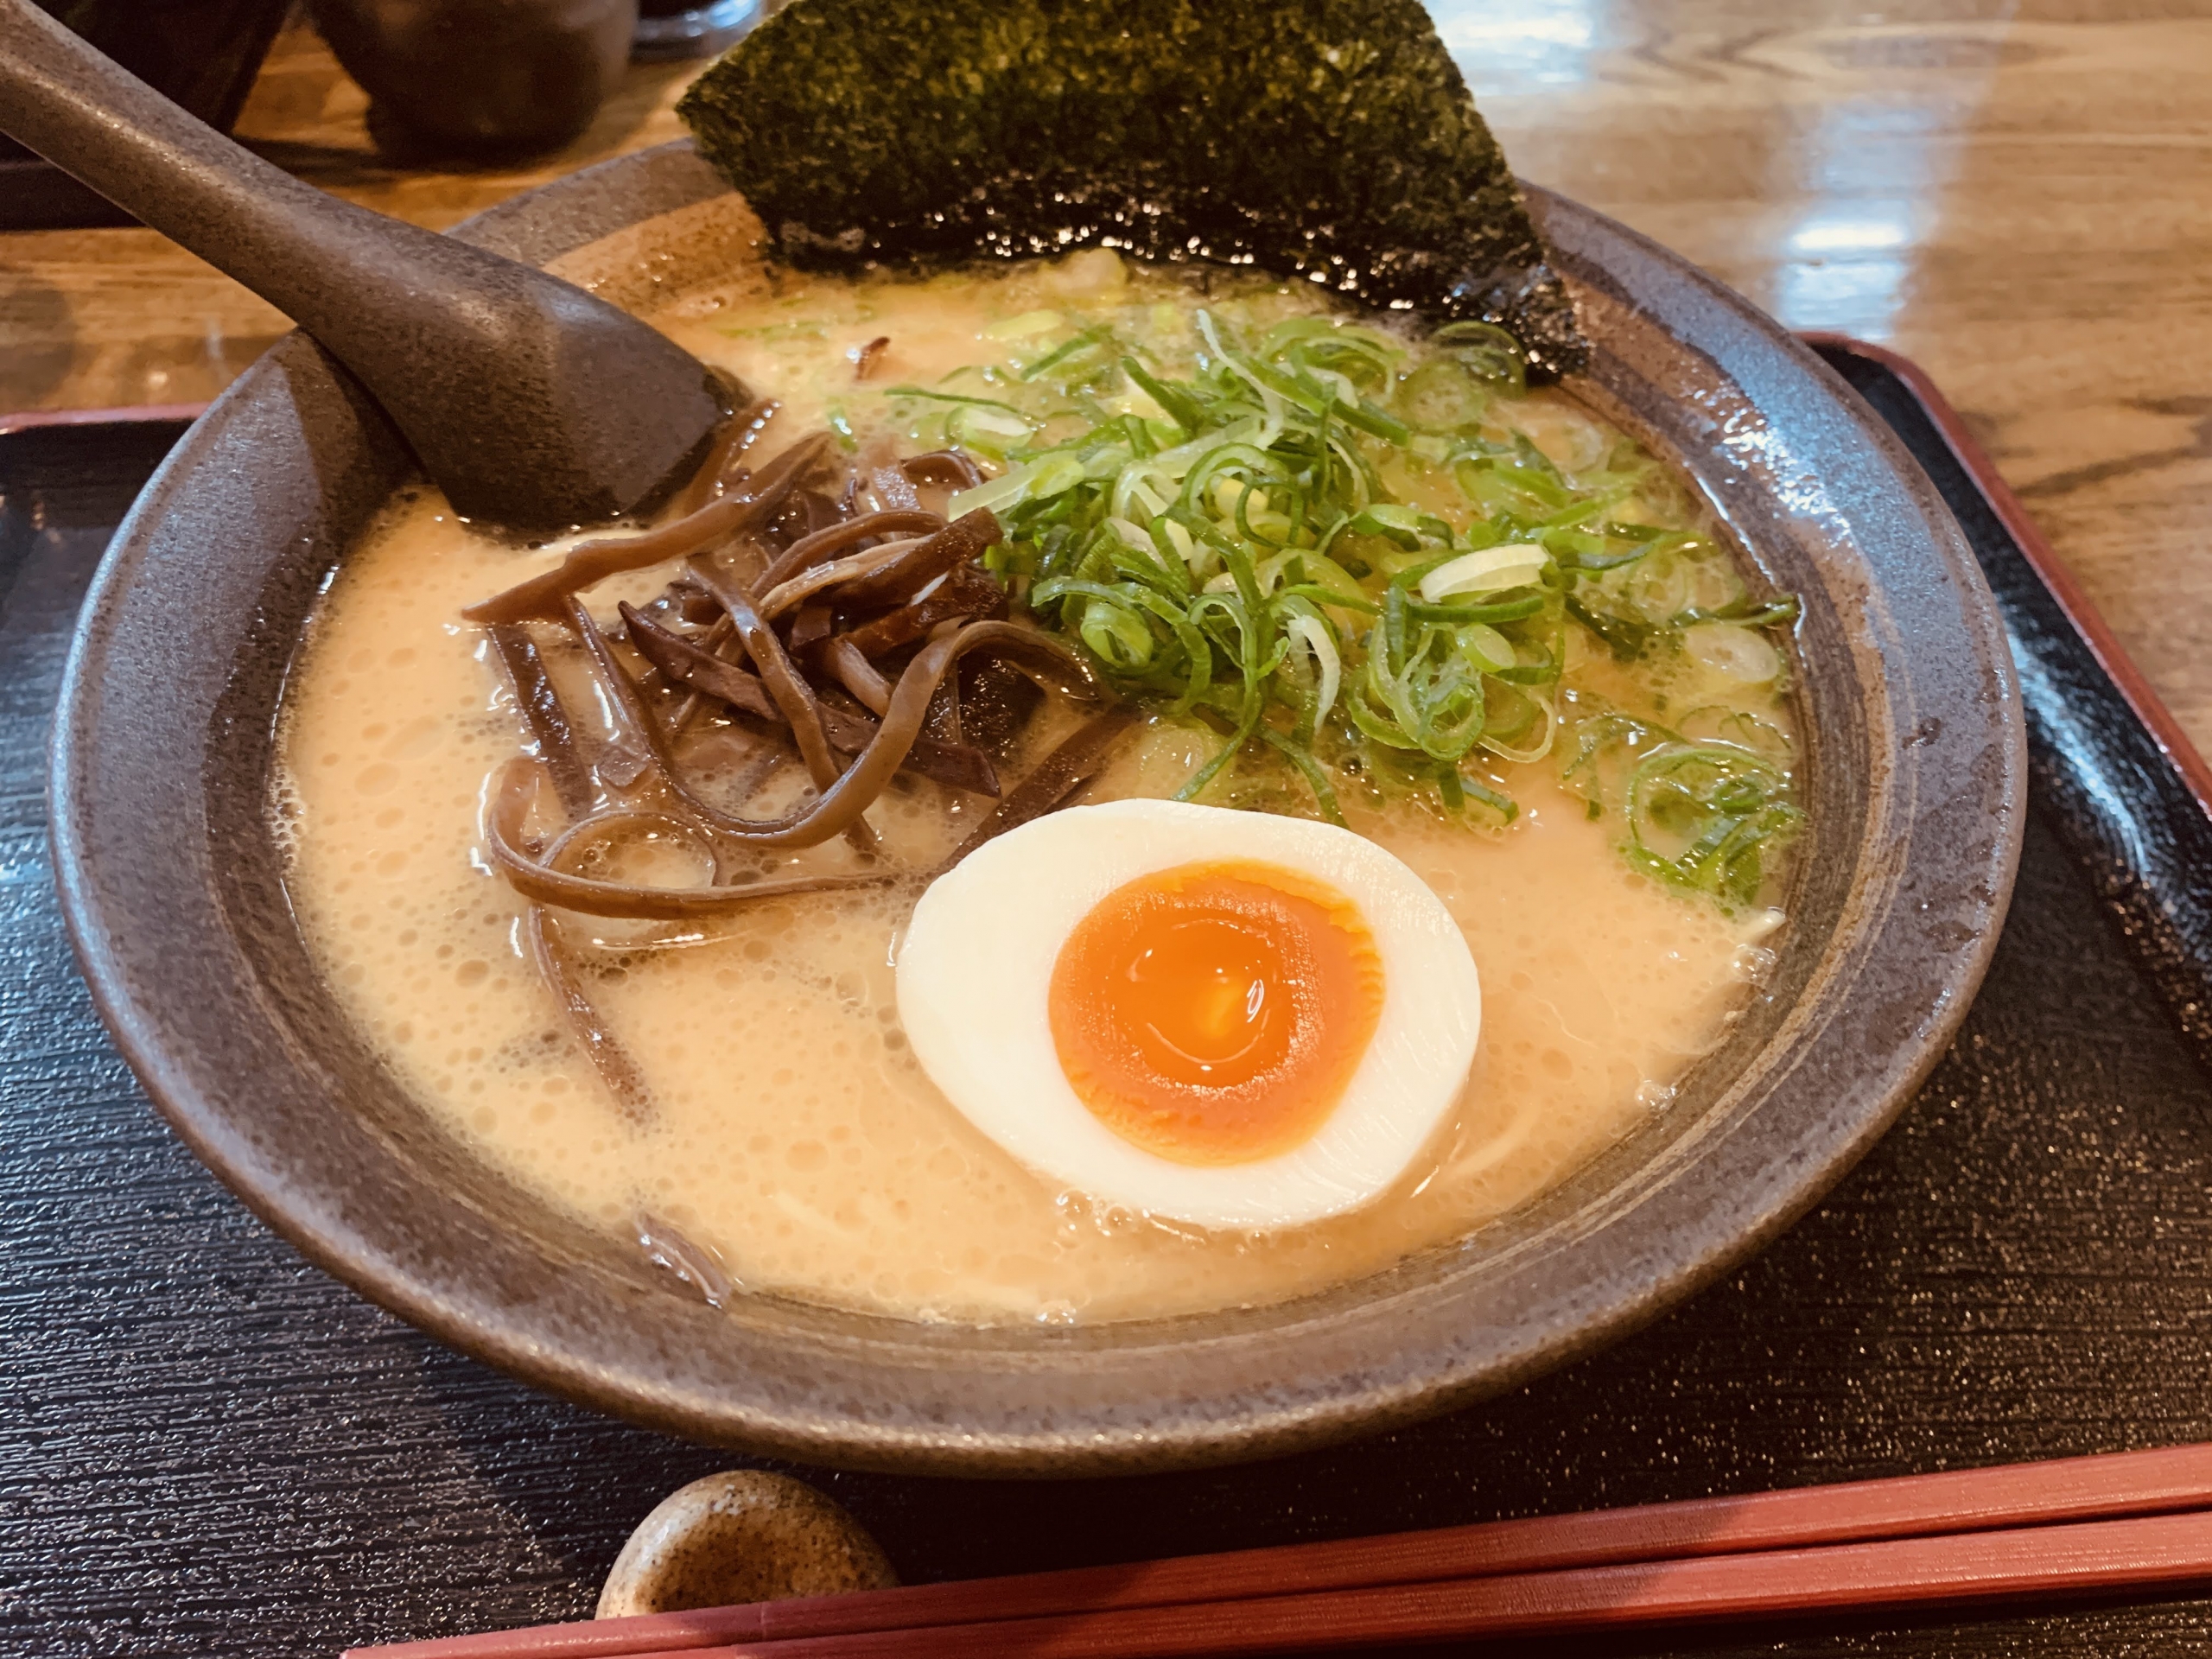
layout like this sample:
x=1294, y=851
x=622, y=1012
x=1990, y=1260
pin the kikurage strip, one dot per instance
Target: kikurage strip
x=902, y=718
x=691, y=663
x=1013, y=642
x=638, y=740
x=612, y=1062
x=844, y=801
x=997, y=701
x=1071, y=763
x=809, y=550
x=547, y=716
x=959, y=541
x=956, y=766
x=886, y=479
x=622, y=695
x=966, y=592
x=518, y=784
x=638, y=734
x=794, y=697
x=945, y=468
x=540, y=598
x=786, y=594
x=857, y=674
x=945, y=723
x=720, y=471
x=716, y=635
x=822, y=513
x=831, y=812
x=688, y=664
x=810, y=628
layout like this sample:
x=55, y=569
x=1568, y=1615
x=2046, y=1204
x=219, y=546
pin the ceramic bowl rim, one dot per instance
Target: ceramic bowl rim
x=1665, y=1266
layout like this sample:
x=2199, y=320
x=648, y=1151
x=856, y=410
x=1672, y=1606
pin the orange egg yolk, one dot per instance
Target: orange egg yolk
x=1214, y=1012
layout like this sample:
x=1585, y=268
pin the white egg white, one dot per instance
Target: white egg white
x=976, y=969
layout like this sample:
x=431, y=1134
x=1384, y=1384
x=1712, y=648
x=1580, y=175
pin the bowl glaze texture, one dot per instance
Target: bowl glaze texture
x=170, y=874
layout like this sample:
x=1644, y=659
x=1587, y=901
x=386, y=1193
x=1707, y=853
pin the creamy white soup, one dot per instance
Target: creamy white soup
x=1610, y=849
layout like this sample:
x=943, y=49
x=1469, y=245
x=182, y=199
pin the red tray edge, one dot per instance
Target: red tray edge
x=36, y=420
x=2050, y=568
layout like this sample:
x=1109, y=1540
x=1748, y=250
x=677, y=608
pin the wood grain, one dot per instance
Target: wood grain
x=115, y=317
x=2013, y=192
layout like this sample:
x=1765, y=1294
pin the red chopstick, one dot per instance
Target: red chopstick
x=1981, y=1501
x=2163, y=1552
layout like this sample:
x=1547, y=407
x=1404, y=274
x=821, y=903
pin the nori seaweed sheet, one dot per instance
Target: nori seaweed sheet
x=1328, y=138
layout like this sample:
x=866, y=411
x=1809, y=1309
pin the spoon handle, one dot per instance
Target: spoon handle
x=464, y=349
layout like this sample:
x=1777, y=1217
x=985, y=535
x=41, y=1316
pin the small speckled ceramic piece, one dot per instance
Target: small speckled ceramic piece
x=170, y=879
x=741, y=1536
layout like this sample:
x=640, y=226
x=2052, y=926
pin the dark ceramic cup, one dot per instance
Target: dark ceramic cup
x=171, y=880
x=202, y=54
x=480, y=77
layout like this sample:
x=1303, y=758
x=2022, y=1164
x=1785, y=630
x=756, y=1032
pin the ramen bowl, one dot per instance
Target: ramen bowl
x=171, y=873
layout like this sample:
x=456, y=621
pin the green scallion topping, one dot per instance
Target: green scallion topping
x=1338, y=550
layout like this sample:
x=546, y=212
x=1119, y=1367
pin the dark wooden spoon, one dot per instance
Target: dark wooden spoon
x=531, y=404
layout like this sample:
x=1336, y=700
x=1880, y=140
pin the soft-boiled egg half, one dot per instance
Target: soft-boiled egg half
x=1219, y=1017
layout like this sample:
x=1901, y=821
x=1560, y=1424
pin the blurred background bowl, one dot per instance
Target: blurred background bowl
x=487, y=78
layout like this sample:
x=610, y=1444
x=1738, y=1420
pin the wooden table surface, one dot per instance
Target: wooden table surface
x=2016, y=193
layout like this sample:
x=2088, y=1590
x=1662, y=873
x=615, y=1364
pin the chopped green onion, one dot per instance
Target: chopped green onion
x=949, y=398
x=1489, y=571
x=1340, y=555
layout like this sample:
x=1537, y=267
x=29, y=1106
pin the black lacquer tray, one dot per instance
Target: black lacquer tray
x=207, y=1446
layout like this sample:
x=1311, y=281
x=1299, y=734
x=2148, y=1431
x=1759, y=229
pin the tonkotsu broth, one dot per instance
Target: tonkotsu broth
x=794, y=1134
